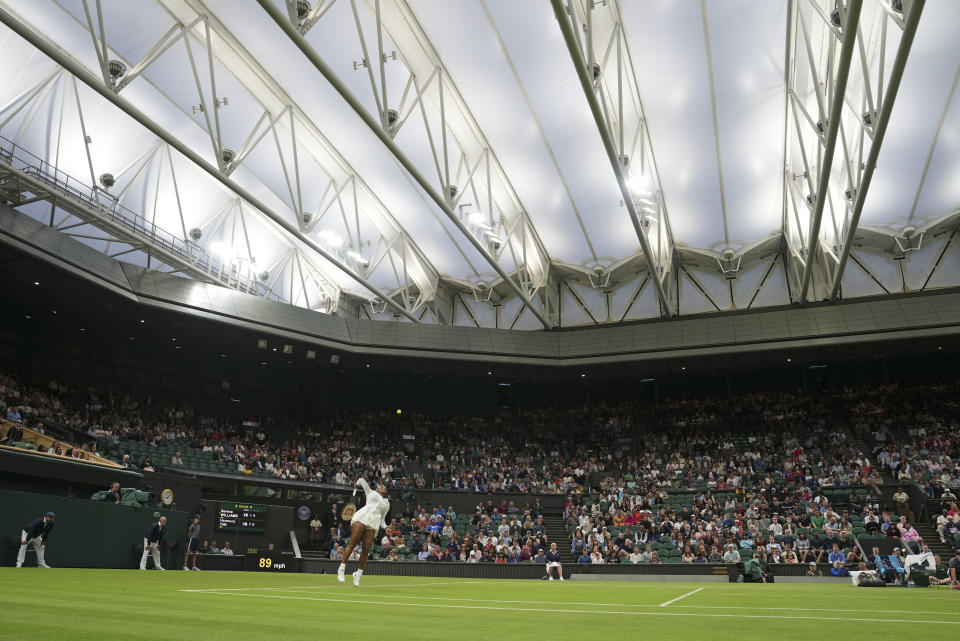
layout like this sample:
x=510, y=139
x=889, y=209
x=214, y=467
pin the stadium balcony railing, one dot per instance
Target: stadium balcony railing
x=35, y=443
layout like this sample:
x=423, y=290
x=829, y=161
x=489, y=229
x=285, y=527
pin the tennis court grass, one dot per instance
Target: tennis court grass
x=108, y=605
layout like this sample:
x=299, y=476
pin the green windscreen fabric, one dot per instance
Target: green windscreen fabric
x=87, y=534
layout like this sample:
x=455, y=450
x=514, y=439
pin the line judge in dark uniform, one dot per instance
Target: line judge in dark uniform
x=151, y=543
x=36, y=532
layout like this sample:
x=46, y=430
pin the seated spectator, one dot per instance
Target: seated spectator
x=476, y=554
x=645, y=555
x=596, y=556
x=941, y=526
x=813, y=570
x=731, y=555
x=854, y=555
x=909, y=536
x=584, y=558
x=817, y=550
x=803, y=547
x=176, y=459
x=836, y=555
x=227, y=550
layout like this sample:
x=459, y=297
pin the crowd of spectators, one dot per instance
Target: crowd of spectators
x=501, y=533
x=752, y=441
x=913, y=431
x=761, y=465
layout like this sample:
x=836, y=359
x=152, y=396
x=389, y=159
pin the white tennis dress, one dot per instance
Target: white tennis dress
x=373, y=513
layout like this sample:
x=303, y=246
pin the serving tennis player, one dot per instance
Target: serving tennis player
x=363, y=527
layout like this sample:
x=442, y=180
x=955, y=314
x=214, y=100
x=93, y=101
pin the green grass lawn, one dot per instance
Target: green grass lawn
x=108, y=605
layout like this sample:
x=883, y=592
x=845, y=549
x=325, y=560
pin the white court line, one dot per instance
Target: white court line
x=325, y=587
x=892, y=595
x=682, y=596
x=661, y=613
x=609, y=605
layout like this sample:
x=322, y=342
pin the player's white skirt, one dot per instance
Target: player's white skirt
x=368, y=516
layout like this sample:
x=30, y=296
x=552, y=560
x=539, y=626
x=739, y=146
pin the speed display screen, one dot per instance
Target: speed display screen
x=245, y=517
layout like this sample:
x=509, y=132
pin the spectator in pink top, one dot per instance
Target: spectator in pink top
x=910, y=536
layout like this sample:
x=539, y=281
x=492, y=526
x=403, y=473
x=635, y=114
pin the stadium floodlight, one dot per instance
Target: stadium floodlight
x=223, y=250
x=303, y=10
x=332, y=238
x=476, y=218
x=640, y=183
x=358, y=258
x=117, y=70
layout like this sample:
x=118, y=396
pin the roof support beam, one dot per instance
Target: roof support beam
x=586, y=81
x=850, y=23
x=107, y=91
x=610, y=62
x=27, y=178
x=301, y=133
x=376, y=126
x=911, y=21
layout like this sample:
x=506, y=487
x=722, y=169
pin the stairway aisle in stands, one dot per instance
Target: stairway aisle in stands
x=888, y=478
x=557, y=533
x=926, y=531
x=932, y=540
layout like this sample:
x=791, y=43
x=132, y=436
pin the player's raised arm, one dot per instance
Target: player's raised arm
x=362, y=484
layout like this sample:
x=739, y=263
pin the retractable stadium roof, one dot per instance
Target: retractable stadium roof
x=495, y=163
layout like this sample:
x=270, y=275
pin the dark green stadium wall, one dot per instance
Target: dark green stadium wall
x=87, y=534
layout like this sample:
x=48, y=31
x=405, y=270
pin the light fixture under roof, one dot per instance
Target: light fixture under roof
x=221, y=249
x=477, y=217
x=640, y=183
x=331, y=237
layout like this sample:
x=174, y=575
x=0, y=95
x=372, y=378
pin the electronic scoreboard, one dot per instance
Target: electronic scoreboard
x=242, y=517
